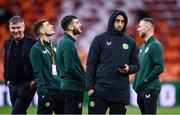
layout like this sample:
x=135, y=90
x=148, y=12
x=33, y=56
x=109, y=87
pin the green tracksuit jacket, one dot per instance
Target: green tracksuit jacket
x=151, y=66
x=71, y=69
x=42, y=67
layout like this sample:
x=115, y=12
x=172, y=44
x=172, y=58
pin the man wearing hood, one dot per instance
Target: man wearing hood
x=112, y=57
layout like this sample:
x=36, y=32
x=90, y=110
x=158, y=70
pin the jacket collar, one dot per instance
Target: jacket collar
x=69, y=36
x=149, y=40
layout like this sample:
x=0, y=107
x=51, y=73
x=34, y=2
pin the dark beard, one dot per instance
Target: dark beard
x=143, y=35
x=75, y=32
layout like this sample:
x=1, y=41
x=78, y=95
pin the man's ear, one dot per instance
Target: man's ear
x=147, y=28
x=42, y=30
x=70, y=27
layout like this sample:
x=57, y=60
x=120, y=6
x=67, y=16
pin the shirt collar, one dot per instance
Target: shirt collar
x=19, y=41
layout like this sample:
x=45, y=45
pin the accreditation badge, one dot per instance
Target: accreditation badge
x=54, y=71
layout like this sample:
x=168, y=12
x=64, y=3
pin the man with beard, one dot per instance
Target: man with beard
x=71, y=69
x=43, y=59
x=18, y=71
x=146, y=83
x=112, y=57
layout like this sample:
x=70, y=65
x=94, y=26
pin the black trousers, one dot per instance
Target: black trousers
x=52, y=102
x=21, y=96
x=98, y=105
x=73, y=101
x=147, y=101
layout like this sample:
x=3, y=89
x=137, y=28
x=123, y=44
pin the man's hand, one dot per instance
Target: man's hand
x=33, y=85
x=90, y=92
x=124, y=70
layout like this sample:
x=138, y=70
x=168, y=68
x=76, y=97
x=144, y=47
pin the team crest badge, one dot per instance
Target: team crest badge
x=125, y=46
x=47, y=104
x=92, y=103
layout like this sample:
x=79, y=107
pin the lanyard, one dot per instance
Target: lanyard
x=52, y=55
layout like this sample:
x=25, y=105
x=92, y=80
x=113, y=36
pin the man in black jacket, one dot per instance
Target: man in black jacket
x=18, y=72
x=112, y=57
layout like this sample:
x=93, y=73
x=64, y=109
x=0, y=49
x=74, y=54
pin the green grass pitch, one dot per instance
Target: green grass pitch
x=130, y=110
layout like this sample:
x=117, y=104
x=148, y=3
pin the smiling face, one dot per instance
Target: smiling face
x=119, y=23
x=17, y=30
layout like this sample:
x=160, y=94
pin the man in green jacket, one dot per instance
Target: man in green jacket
x=71, y=69
x=146, y=83
x=47, y=76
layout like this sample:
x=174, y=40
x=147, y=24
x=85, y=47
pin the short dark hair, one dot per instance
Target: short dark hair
x=16, y=19
x=37, y=26
x=150, y=20
x=66, y=21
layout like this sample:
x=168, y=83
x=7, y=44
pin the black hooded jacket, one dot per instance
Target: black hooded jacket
x=107, y=53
